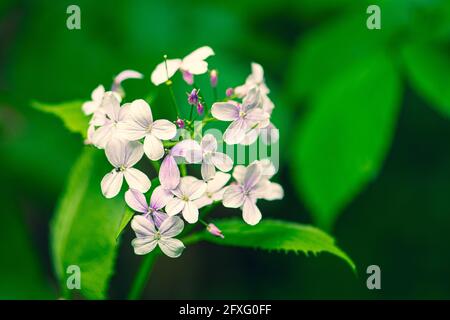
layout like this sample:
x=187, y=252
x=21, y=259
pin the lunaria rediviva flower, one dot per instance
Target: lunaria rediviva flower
x=123, y=156
x=245, y=117
x=139, y=124
x=148, y=236
x=159, y=198
x=193, y=64
x=189, y=189
x=127, y=132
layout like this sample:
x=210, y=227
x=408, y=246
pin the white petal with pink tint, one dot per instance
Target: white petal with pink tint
x=233, y=196
x=164, y=129
x=225, y=111
x=136, y=179
x=136, y=200
x=190, y=212
x=153, y=147
x=111, y=184
x=250, y=212
x=165, y=70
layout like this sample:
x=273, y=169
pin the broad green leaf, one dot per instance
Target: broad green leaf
x=70, y=113
x=342, y=142
x=85, y=225
x=428, y=68
x=274, y=235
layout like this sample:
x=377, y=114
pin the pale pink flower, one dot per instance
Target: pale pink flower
x=189, y=189
x=159, y=198
x=192, y=64
x=122, y=76
x=244, y=117
x=139, y=124
x=148, y=237
x=245, y=193
x=213, y=78
x=211, y=159
x=214, y=190
x=123, y=156
x=212, y=228
x=90, y=107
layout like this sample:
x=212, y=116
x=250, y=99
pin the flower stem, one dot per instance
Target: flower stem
x=141, y=279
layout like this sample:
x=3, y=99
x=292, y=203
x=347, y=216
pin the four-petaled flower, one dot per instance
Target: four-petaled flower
x=211, y=159
x=245, y=193
x=147, y=236
x=159, y=198
x=245, y=117
x=193, y=64
x=188, y=190
x=123, y=156
x=256, y=78
x=139, y=124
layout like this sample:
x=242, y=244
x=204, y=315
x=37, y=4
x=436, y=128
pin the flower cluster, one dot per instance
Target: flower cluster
x=128, y=132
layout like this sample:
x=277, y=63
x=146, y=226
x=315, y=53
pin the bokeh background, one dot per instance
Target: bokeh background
x=395, y=213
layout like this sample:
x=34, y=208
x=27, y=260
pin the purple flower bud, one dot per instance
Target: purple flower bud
x=193, y=97
x=200, y=108
x=229, y=92
x=213, y=77
x=214, y=231
x=188, y=77
x=180, y=123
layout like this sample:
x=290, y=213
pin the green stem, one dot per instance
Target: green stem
x=169, y=85
x=141, y=279
x=183, y=169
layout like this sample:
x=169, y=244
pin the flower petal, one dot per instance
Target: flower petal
x=221, y=161
x=103, y=135
x=164, y=129
x=158, y=218
x=136, y=200
x=252, y=176
x=172, y=248
x=218, y=182
x=153, y=147
x=225, y=111
x=188, y=149
x=169, y=174
x=89, y=107
x=236, y=131
x=111, y=184
x=142, y=226
x=239, y=173
x=190, y=212
x=111, y=104
x=274, y=192
x=174, y=206
x=136, y=179
x=195, y=189
x=171, y=227
x=233, y=196
x=144, y=245
x=208, y=143
x=159, y=198
x=132, y=153
x=250, y=212
x=194, y=62
x=165, y=70
x=127, y=74
x=270, y=134
x=208, y=171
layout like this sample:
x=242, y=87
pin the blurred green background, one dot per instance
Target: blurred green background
x=363, y=115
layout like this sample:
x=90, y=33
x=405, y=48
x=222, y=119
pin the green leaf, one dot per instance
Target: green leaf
x=274, y=235
x=428, y=69
x=85, y=225
x=342, y=143
x=69, y=112
x=126, y=218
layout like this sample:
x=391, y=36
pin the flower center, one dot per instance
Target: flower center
x=120, y=169
x=241, y=114
x=185, y=198
x=157, y=235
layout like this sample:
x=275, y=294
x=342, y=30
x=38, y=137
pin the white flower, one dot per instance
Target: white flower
x=188, y=190
x=139, y=124
x=256, y=78
x=214, y=190
x=194, y=64
x=270, y=190
x=211, y=159
x=109, y=115
x=245, y=193
x=90, y=107
x=244, y=117
x=147, y=237
x=123, y=156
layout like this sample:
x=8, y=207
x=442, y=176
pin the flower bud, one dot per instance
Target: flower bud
x=188, y=77
x=180, y=123
x=213, y=77
x=229, y=92
x=214, y=231
x=193, y=97
x=200, y=108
